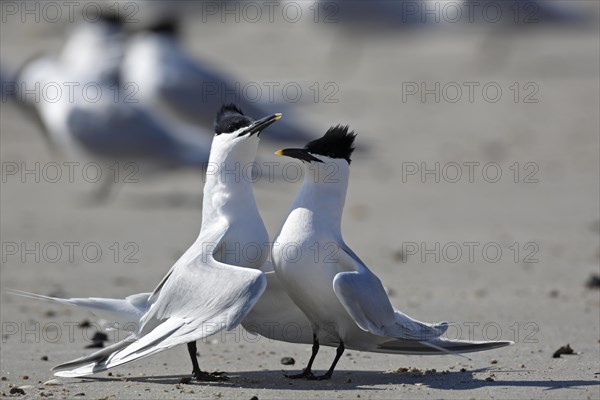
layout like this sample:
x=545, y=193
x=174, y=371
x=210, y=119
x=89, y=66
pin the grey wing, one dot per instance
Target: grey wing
x=121, y=130
x=167, y=75
x=209, y=290
x=364, y=298
x=197, y=90
x=196, y=299
x=199, y=299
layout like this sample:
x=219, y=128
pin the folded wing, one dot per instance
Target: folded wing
x=364, y=298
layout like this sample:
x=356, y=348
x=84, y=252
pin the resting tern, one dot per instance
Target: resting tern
x=344, y=301
x=210, y=287
x=87, y=112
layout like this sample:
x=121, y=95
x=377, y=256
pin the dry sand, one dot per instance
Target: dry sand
x=541, y=305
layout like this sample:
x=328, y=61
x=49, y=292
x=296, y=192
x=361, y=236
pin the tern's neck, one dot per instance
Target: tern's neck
x=228, y=192
x=323, y=193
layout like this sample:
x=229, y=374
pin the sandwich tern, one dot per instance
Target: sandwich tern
x=108, y=128
x=345, y=302
x=210, y=287
x=87, y=112
x=274, y=315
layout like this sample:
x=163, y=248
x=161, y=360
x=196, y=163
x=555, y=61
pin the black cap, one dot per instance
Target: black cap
x=336, y=143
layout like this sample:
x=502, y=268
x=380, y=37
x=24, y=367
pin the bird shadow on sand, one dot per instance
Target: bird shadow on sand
x=360, y=380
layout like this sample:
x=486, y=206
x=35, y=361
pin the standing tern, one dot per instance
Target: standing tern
x=109, y=127
x=344, y=301
x=88, y=113
x=36, y=82
x=274, y=316
x=210, y=287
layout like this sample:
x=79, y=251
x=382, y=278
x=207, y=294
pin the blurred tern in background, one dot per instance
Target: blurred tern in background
x=172, y=81
x=87, y=112
x=210, y=287
x=344, y=301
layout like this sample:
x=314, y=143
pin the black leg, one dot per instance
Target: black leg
x=192, y=350
x=307, y=373
x=197, y=373
x=338, y=354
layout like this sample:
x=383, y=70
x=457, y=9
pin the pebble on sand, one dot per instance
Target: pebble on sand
x=84, y=324
x=593, y=282
x=16, y=390
x=563, y=350
x=288, y=361
x=97, y=341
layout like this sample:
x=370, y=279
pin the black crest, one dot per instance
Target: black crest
x=94, y=14
x=336, y=143
x=230, y=118
x=167, y=26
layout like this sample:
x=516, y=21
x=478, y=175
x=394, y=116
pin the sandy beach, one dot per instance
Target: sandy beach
x=484, y=213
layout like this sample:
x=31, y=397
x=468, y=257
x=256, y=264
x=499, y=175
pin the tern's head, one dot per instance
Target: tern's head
x=93, y=51
x=166, y=27
x=237, y=135
x=331, y=152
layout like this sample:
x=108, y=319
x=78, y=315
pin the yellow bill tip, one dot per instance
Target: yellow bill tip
x=278, y=116
x=279, y=152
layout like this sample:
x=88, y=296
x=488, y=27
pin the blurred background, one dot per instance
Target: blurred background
x=474, y=192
